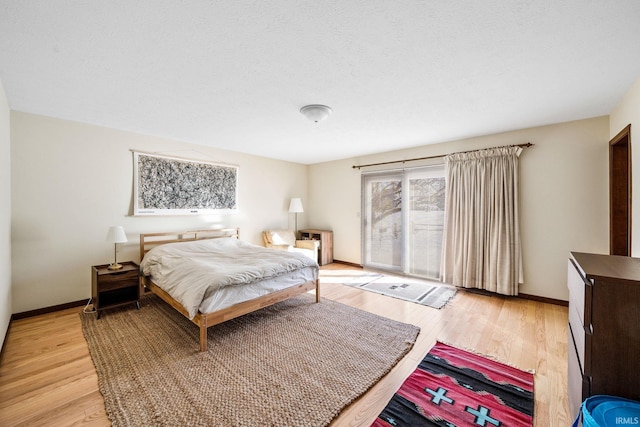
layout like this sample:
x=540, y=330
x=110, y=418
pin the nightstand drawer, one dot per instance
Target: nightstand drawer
x=118, y=280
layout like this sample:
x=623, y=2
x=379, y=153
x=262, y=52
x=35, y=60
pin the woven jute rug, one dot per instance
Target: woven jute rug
x=296, y=363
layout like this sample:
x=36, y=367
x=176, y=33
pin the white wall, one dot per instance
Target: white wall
x=5, y=215
x=563, y=205
x=628, y=112
x=71, y=181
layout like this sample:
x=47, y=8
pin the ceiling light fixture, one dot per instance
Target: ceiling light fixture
x=316, y=112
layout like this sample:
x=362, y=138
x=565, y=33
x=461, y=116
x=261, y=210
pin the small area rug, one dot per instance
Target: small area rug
x=296, y=363
x=452, y=387
x=425, y=292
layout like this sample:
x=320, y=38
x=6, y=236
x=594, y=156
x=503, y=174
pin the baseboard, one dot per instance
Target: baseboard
x=6, y=333
x=544, y=299
x=521, y=296
x=352, y=264
x=46, y=310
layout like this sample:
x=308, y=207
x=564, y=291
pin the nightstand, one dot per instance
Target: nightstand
x=325, y=252
x=112, y=288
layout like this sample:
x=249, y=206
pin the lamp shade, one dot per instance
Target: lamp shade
x=295, y=205
x=116, y=234
x=316, y=112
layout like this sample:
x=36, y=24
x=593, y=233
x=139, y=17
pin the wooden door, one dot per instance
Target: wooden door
x=620, y=193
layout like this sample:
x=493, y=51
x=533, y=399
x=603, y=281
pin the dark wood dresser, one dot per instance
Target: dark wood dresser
x=604, y=327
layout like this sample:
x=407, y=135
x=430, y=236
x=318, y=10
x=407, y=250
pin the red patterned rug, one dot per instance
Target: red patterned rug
x=452, y=387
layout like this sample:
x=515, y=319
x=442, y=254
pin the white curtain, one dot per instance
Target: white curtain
x=481, y=240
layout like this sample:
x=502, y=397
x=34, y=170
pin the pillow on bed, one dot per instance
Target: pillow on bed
x=282, y=237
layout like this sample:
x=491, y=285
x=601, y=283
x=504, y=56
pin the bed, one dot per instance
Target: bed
x=241, y=277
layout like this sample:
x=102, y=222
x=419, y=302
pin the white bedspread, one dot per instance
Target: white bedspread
x=192, y=271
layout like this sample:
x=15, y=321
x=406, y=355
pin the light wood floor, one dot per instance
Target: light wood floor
x=47, y=377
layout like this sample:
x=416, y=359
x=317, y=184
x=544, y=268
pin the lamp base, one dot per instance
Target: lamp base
x=115, y=266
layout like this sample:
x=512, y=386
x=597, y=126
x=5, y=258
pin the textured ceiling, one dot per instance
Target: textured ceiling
x=234, y=74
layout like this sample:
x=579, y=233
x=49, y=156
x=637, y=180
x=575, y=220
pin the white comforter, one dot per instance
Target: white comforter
x=191, y=271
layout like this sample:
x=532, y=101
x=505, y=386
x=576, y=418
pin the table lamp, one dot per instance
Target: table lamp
x=116, y=235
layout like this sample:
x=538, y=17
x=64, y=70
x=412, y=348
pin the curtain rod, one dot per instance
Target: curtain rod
x=525, y=145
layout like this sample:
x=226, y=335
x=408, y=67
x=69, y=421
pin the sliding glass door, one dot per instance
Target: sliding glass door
x=403, y=214
x=382, y=221
x=425, y=221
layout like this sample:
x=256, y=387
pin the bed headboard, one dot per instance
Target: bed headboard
x=150, y=240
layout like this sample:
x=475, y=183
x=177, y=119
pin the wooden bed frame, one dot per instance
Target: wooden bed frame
x=204, y=321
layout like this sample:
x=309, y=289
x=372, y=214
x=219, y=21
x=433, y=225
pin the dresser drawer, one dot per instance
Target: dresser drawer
x=577, y=330
x=576, y=285
x=574, y=378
